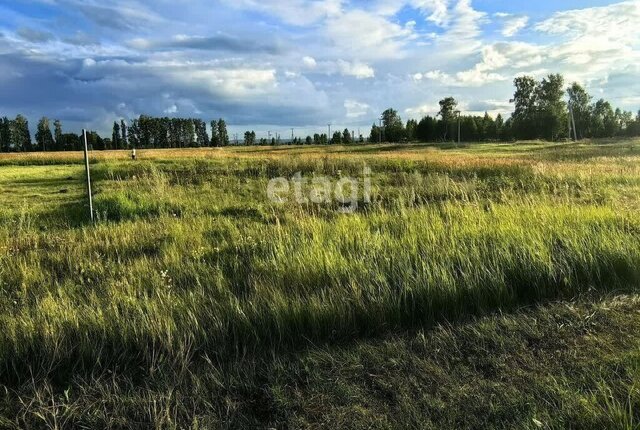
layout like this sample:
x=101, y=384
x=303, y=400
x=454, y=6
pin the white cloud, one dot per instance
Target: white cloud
x=356, y=69
x=309, y=62
x=512, y=24
x=611, y=22
x=598, y=41
x=367, y=36
x=468, y=78
x=462, y=35
x=355, y=109
x=478, y=77
x=242, y=82
x=422, y=110
x=466, y=21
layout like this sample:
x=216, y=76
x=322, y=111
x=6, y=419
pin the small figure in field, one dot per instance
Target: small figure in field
x=133, y=154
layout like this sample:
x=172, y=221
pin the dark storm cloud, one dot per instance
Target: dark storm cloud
x=93, y=92
x=20, y=73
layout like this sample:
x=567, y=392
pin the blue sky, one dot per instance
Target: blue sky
x=269, y=65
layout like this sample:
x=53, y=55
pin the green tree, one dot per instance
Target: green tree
x=124, y=139
x=580, y=103
x=411, y=127
x=115, y=136
x=346, y=136
x=551, y=108
x=215, y=137
x=427, y=129
x=57, y=134
x=376, y=134
x=469, y=128
x=488, y=129
x=223, y=135
x=249, y=138
x=393, y=127
x=95, y=141
x=44, y=138
x=20, y=135
x=524, y=115
x=70, y=142
x=201, y=132
x=187, y=133
x=5, y=134
x=624, y=121
x=447, y=113
x=134, y=134
x=499, y=134
x=603, y=119
x=635, y=127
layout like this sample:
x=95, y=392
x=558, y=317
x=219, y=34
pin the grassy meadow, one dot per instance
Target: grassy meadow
x=482, y=286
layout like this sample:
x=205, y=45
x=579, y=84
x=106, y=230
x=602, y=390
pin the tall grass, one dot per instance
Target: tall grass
x=189, y=255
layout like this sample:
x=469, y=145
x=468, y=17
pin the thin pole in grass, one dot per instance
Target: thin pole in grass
x=86, y=166
x=572, y=124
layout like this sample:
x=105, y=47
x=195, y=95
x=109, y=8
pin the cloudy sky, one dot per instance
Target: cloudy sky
x=275, y=64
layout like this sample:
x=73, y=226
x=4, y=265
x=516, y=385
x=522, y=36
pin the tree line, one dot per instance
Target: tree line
x=542, y=110
x=15, y=137
x=142, y=132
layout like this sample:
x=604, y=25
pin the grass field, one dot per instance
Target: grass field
x=488, y=285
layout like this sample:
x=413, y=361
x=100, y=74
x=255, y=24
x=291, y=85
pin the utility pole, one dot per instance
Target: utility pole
x=573, y=121
x=329, y=135
x=458, y=113
x=292, y=136
x=86, y=166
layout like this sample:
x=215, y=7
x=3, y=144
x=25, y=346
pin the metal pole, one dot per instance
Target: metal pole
x=86, y=166
x=573, y=121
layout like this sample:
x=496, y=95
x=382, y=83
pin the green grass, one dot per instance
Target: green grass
x=194, y=299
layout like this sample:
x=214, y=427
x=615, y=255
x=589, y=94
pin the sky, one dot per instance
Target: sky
x=273, y=65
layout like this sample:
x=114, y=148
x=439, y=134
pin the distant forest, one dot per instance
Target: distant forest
x=543, y=110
